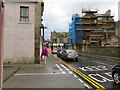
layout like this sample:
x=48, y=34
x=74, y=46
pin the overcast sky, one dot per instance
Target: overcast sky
x=57, y=13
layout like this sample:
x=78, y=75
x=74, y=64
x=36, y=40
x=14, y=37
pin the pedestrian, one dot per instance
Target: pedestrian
x=44, y=54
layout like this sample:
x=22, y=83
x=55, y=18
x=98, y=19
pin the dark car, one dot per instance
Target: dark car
x=69, y=54
x=116, y=74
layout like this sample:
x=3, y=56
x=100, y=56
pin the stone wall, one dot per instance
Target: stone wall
x=105, y=51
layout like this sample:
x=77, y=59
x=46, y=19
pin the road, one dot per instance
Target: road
x=92, y=72
x=97, y=69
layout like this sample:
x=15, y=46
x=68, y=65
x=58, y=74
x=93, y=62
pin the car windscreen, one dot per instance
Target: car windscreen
x=71, y=51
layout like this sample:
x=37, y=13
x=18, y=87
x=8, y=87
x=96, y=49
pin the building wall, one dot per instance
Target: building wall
x=59, y=37
x=105, y=51
x=119, y=11
x=18, y=36
x=1, y=31
x=38, y=25
x=117, y=27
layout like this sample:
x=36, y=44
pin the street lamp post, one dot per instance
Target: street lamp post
x=43, y=32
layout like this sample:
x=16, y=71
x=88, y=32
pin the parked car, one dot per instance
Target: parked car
x=69, y=54
x=116, y=74
x=59, y=52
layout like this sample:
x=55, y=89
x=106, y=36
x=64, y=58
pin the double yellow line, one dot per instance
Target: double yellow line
x=94, y=83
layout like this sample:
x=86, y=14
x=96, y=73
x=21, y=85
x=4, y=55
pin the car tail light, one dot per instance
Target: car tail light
x=67, y=54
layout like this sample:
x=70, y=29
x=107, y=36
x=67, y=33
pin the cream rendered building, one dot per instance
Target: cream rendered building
x=22, y=22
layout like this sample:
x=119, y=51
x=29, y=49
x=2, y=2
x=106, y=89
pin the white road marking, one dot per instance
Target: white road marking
x=103, y=79
x=67, y=69
x=75, y=75
x=30, y=74
x=63, y=72
x=103, y=63
x=63, y=66
x=93, y=68
x=58, y=66
x=60, y=69
x=109, y=74
x=80, y=80
x=70, y=72
x=87, y=86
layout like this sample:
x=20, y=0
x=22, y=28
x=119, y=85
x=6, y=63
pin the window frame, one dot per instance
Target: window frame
x=24, y=16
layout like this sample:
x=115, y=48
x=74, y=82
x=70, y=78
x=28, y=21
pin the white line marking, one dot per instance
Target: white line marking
x=63, y=66
x=60, y=69
x=70, y=72
x=63, y=72
x=103, y=63
x=67, y=69
x=80, y=80
x=58, y=66
x=75, y=75
x=28, y=74
x=87, y=86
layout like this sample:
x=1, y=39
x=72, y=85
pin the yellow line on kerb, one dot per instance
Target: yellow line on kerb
x=94, y=83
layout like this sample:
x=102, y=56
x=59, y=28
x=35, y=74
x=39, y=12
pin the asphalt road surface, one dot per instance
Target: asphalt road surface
x=97, y=69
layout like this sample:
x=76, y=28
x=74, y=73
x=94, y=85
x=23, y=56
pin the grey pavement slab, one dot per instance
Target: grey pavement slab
x=8, y=71
x=43, y=81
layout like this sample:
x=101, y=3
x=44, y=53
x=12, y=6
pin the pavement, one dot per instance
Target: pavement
x=51, y=75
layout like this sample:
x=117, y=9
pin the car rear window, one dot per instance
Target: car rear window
x=70, y=51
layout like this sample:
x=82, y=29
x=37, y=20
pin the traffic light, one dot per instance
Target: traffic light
x=47, y=44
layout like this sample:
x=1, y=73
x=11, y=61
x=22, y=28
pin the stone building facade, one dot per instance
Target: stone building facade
x=59, y=37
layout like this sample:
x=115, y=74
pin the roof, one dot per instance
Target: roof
x=23, y=1
x=89, y=11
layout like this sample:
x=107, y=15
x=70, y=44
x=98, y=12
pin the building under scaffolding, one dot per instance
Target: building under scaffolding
x=97, y=27
x=90, y=29
x=75, y=31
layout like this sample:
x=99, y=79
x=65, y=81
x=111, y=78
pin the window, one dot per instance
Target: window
x=24, y=14
x=99, y=18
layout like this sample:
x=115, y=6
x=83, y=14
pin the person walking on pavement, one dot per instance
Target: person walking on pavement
x=44, y=54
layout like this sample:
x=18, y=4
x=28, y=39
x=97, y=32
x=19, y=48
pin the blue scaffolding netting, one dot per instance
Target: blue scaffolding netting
x=75, y=30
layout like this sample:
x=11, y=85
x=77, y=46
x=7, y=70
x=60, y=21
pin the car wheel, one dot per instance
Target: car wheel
x=116, y=78
x=65, y=59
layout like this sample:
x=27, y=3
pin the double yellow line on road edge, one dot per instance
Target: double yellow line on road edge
x=94, y=83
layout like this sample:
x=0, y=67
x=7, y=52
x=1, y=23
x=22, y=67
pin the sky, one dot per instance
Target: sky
x=57, y=13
